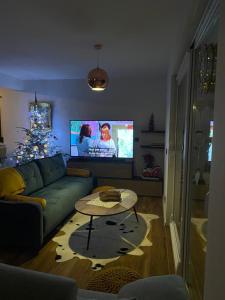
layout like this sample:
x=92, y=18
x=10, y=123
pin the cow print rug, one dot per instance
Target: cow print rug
x=111, y=238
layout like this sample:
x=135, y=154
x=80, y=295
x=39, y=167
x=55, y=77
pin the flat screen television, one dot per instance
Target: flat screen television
x=101, y=139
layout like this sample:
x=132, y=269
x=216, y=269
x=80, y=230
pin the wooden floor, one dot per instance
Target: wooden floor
x=157, y=259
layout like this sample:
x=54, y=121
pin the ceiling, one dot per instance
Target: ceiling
x=53, y=39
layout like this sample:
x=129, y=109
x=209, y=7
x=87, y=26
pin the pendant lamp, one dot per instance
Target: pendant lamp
x=98, y=78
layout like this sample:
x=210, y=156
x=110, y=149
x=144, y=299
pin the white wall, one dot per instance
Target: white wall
x=10, y=82
x=215, y=262
x=14, y=113
x=133, y=99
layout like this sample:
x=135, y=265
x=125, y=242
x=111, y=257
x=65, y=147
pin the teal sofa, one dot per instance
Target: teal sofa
x=27, y=224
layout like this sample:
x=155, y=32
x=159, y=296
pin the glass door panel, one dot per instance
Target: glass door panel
x=204, y=73
x=180, y=161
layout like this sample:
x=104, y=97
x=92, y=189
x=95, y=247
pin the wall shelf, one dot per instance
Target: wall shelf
x=153, y=147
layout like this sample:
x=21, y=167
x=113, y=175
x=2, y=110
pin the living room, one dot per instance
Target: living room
x=141, y=75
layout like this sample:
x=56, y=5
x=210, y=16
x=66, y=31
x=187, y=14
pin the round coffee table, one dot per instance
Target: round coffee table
x=91, y=205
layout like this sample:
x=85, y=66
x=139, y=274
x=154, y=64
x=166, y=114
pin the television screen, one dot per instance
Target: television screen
x=103, y=139
x=210, y=143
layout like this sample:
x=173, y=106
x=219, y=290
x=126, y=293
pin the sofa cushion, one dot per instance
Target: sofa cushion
x=60, y=198
x=52, y=168
x=32, y=177
x=169, y=287
x=11, y=182
x=93, y=295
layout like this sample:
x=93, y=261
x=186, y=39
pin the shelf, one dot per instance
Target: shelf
x=147, y=178
x=153, y=147
x=154, y=131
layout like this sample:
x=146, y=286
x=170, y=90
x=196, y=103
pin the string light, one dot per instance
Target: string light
x=39, y=142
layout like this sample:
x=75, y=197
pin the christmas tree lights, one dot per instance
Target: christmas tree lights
x=38, y=142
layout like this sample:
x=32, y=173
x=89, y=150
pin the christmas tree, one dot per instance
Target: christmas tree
x=38, y=141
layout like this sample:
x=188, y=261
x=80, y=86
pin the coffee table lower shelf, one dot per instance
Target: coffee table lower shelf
x=90, y=227
x=129, y=199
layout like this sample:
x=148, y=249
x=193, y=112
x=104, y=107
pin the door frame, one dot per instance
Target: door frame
x=178, y=242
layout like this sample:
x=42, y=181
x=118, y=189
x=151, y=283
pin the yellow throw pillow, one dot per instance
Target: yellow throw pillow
x=78, y=172
x=11, y=182
x=23, y=198
x=103, y=188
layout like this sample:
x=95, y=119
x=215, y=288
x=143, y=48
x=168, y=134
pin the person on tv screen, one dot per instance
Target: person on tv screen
x=85, y=143
x=106, y=144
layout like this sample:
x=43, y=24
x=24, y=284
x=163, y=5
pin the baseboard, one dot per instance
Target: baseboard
x=164, y=210
x=175, y=246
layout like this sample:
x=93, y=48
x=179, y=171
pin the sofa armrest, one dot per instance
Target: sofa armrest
x=22, y=284
x=21, y=224
x=166, y=287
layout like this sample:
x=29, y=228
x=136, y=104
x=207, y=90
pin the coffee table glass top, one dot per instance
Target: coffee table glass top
x=92, y=205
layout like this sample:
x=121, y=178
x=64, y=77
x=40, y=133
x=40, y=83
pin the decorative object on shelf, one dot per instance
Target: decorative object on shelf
x=150, y=171
x=151, y=123
x=149, y=160
x=98, y=78
x=38, y=141
x=207, y=58
x=40, y=112
x=154, y=172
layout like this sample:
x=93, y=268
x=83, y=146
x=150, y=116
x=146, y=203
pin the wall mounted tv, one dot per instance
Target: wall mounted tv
x=101, y=139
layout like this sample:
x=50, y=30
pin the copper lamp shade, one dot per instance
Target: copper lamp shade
x=98, y=79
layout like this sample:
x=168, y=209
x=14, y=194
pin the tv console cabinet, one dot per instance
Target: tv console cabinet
x=140, y=186
x=120, y=175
